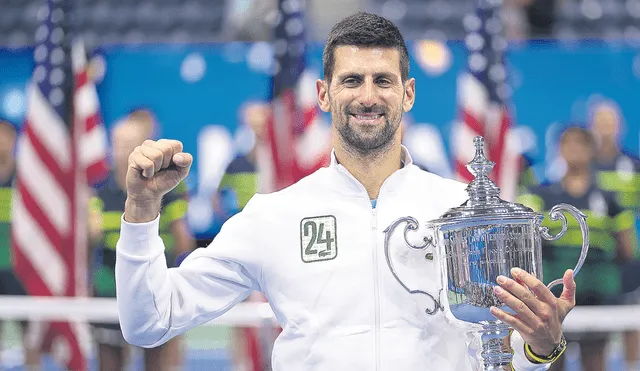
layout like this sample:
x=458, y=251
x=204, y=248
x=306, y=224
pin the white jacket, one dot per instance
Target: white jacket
x=316, y=251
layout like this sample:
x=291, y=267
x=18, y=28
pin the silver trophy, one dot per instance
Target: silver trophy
x=475, y=243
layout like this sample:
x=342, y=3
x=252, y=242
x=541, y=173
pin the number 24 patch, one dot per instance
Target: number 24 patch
x=318, y=238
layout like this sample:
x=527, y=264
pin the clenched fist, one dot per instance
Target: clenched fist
x=155, y=168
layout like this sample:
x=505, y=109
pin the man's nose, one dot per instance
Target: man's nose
x=368, y=94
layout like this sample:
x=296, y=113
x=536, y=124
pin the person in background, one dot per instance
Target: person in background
x=527, y=177
x=107, y=207
x=242, y=174
x=9, y=282
x=619, y=172
x=610, y=238
x=250, y=346
x=245, y=175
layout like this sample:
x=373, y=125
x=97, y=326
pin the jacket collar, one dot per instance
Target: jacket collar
x=406, y=158
x=390, y=184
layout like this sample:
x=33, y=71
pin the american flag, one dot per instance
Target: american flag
x=92, y=142
x=50, y=204
x=483, y=94
x=298, y=137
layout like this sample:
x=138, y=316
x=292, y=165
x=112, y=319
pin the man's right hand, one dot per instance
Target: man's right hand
x=155, y=168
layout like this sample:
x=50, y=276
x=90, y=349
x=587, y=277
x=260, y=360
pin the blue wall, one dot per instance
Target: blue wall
x=552, y=82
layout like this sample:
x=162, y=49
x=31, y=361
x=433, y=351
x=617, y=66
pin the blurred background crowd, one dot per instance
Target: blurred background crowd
x=554, y=86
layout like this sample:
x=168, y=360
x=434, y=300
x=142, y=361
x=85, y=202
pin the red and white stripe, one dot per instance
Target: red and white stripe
x=292, y=157
x=313, y=146
x=49, y=245
x=42, y=223
x=92, y=147
x=281, y=139
x=479, y=116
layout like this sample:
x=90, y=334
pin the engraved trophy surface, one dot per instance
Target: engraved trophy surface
x=475, y=243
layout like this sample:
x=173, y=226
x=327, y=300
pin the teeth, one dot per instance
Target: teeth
x=367, y=117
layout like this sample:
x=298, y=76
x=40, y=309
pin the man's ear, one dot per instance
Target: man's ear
x=322, y=89
x=409, y=94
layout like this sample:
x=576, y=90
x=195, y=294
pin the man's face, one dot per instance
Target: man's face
x=257, y=116
x=7, y=144
x=605, y=124
x=576, y=150
x=366, y=97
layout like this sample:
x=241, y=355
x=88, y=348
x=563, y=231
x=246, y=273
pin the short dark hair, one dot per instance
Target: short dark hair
x=579, y=130
x=368, y=30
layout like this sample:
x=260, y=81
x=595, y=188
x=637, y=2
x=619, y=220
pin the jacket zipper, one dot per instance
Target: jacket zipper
x=376, y=274
x=376, y=290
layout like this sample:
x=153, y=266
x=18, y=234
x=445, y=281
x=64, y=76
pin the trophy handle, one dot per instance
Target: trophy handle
x=412, y=225
x=556, y=214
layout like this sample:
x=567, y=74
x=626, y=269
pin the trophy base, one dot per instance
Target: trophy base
x=495, y=353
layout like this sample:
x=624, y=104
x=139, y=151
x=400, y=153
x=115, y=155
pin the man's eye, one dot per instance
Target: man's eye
x=350, y=81
x=384, y=82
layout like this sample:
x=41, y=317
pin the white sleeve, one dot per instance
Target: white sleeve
x=156, y=304
x=520, y=361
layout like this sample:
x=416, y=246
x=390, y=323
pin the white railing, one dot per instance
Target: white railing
x=600, y=318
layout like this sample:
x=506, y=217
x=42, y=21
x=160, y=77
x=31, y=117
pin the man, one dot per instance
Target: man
x=315, y=248
x=619, y=173
x=9, y=282
x=107, y=207
x=599, y=282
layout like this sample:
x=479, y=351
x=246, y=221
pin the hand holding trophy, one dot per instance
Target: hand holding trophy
x=480, y=246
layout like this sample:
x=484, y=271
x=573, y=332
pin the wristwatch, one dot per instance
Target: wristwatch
x=557, y=352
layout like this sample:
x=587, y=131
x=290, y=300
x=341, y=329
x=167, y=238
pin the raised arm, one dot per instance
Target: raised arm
x=156, y=303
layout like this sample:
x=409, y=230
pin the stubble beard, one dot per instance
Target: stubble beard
x=365, y=141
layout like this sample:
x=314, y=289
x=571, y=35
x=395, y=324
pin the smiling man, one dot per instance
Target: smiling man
x=367, y=121
x=315, y=249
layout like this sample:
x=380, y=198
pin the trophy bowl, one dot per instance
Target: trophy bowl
x=475, y=243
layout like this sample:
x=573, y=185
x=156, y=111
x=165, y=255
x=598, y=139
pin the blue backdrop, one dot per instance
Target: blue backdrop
x=193, y=86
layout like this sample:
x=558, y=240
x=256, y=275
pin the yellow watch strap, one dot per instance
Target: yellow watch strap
x=539, y=359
